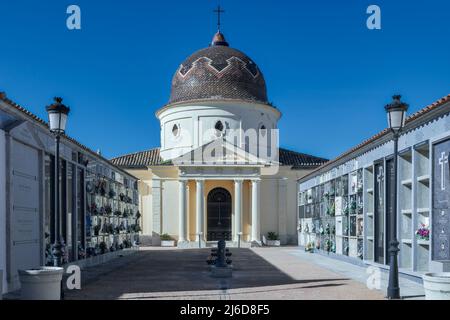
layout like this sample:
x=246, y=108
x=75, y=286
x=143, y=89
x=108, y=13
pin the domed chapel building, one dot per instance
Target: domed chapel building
x=219, y=173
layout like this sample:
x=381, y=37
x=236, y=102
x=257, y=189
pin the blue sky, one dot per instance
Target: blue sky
x=328, y=74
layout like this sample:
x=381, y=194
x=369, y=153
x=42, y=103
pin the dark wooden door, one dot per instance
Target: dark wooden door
x=219, y=215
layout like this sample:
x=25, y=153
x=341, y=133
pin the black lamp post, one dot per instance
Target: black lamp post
x=396, y=113
x=57, y=115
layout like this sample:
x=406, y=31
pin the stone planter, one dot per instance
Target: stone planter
x=437, y=286
x=167, y=243
x=41, y=284
x=273, y=243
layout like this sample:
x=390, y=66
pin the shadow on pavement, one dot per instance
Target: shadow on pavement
x=178, y=270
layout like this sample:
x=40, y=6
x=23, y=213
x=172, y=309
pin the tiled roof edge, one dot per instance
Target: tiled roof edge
x=35, y=118
x=379, y=135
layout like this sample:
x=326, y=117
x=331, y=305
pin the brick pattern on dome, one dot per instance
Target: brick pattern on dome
x=218, y=72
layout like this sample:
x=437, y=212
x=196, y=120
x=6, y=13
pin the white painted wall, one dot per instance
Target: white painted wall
x=3, y=208
x=197, y=122
x=170, y=213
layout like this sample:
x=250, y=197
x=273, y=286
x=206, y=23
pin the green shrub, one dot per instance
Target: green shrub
x=166, y=237
x=272, y=236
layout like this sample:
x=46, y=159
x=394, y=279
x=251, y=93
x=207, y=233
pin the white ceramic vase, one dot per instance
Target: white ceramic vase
x=437, y=286
x=41, y=284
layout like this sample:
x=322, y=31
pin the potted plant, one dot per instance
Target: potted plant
x=108, y=209
x=103, y=247
x=97, y=229
x=346, y=210
x=309, y=247
x=167, y=241
x=273, y=239
x=328, y=245
x=306, y=230
x=94, y=210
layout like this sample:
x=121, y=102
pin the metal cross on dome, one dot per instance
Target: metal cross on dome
x=219, y=11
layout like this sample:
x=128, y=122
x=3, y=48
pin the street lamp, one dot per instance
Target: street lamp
x=57, y=115
x=396, y=114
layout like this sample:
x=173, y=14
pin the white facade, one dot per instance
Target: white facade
x=2, y=207
x=194, y=124
x=219, y=173
x=421, y=171
x=267, y=203
x=26, y=205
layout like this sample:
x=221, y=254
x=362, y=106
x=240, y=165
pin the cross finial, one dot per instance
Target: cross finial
x=219, y=11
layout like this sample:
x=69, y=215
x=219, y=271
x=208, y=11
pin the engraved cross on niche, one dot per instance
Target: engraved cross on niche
x=443, y=160
x=380, y=178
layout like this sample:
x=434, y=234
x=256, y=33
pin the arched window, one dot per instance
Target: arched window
x=175, y=130
x=263, y=130
x=219, y=128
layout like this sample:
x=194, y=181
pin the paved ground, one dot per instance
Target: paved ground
x=261, y=273
x=409, y=289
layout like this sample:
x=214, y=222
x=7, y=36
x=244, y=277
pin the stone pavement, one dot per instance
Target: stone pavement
x=411, y=288
x=259, y=273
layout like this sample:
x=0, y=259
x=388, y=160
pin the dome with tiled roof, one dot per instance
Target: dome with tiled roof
x=218, y=73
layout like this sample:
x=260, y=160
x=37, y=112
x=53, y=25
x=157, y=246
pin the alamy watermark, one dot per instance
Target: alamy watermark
x=374, y=20
x=73, y=21
x=73, y=281
x=374, y=279
x=224, y=146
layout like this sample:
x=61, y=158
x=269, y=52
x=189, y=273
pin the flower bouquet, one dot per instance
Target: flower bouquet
x=309, y=247
x=423, y=233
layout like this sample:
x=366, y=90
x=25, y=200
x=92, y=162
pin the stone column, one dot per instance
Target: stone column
x=255, y=211
x=200, y=209
x=182, y=210
x=237, y=209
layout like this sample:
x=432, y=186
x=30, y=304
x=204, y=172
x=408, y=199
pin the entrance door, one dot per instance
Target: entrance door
x=219, y=215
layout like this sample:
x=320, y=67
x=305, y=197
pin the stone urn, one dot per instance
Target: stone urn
x=41, y=284
x=437, y=286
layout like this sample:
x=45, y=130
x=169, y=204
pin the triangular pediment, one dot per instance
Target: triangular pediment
x=221, y=153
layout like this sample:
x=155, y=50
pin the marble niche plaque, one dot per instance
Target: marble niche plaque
x=441, y=202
